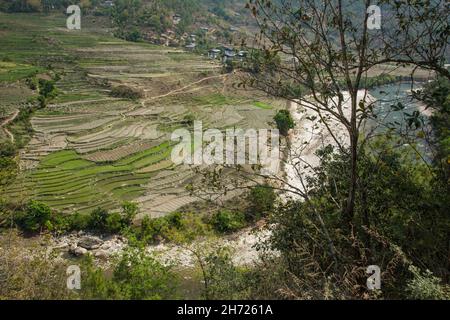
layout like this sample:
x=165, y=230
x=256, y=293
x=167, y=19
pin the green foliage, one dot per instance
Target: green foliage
x=47, y=88
x=129, y=211
x=223, y=279
x=189, y=119
x=78, y=221
x=32, y=83
x=136, y=276
x=133, y=35
x=98, y=219
x=261, y=202
x=225, y=221
x=115, y=222
x=379, y=80
x=436, y=96
x=7, y=149
x=126, y=92
x=263, y=62
x=425, y=286
x=175, y=227
x=140, y=276
x=284, y=121
x=127, y=16
x=396, y=201
x=36, y=217
x=8, y=165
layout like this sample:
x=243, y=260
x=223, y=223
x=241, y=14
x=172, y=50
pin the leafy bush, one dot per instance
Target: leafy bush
x=224, y=280
x=129, y=211
x=127, y=92
x=425, y=286
x=176, y=227
x=36, y=217
x=189, y=119
x=114, y=222
x=47, y=88
x=32, y=83
x=78, y=221
x=136, y=276
x=7, y=149
x=98, y=219
x=133, y=35
x=284, y=121
x=226, y=221
x=101, y=220
x=261, y=202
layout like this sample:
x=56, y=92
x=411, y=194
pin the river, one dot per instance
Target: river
x=309, y=136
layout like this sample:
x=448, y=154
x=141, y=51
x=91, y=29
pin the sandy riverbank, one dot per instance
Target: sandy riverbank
x=310, y=135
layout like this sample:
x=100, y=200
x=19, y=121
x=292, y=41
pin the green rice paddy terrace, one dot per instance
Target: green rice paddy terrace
x=89, y=149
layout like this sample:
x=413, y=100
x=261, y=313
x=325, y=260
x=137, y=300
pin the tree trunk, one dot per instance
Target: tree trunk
x=350, y=207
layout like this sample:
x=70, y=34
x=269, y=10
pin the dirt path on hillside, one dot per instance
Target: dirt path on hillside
x=8, y=121
x=180, y=90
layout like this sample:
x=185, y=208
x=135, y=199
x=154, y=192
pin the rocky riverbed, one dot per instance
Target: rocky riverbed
x=103, y=248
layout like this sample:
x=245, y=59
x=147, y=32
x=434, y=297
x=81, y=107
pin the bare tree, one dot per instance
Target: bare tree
x=316, y=52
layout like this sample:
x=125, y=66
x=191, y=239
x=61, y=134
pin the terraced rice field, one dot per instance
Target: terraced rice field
x=90, y=149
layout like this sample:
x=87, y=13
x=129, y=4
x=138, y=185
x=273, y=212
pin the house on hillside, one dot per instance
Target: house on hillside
x=242, y=55
x=214, y=53
x=228, y=54
x=191, y=46
x=108, y=4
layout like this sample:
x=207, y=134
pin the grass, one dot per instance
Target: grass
x=262, y=105
x=73, y=97
x=11, y=72
x=64, y=180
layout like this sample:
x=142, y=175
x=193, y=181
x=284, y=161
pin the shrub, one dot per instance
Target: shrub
x=101, y=220
x=7, y=149
x=152, y=229
x=425, y=286
x=176, y=227
x=98, y=219
x=127, y=92
x=78, y=221
x=136, y=276
x=189, y=119
x=32, y=83
x=114, y=222
x=227, y=221
x=261, y=202
x=36, y=217
x=175, y=220
x=133, y=35
x=224, y=280
x=130, y=211
x=284, y=121
x=47, y=88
